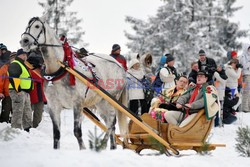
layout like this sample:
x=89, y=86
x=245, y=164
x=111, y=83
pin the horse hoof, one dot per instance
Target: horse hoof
x=113, y=147
x=82, y=148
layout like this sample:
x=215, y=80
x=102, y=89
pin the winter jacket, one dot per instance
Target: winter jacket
x=4, y=80
x=37, y=94
x=167, y=76
x=192, y=76
x=245, y=61
x=198, y=102
x=16, y=71
x=220, y=84
x=209, y=66
x=146, y=62
x=134, y=85
x=233, y=76
x=121, y=59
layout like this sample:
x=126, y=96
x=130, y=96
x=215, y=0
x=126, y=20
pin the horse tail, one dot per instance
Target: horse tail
x=122, y=118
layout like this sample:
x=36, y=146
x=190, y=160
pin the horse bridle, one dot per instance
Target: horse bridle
x=43, y=30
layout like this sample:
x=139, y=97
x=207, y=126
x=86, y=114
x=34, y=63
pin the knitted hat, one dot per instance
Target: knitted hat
x=115, y=47
x=233, y=54
x=202, y=53
x=20, y=52
x=3, y=47
x=169, y=58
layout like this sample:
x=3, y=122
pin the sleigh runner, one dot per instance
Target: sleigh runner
x=143, y=129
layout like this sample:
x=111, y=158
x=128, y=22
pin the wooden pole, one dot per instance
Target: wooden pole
x=119, y=107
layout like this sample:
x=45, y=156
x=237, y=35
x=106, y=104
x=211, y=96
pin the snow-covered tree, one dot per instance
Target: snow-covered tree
x=183, y=27
x=63, y=21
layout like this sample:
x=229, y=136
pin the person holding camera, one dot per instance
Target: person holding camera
x=207, y=64
x=233, y=72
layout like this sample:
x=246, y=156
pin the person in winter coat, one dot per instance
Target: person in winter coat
x=221, y=80
x=37, y=96
x=207, y=64
x=220, y=84
x=193, y=74
x=4, y=91
x=233, y=72
x=228, y=107
x=20, y=86
x=233, y=55
x=165, y=78
x=167, y=100
x=245, y=61
x=146, y=61
x=115, y=53
x=193, y=99
x=5, y=55
x=135, y=93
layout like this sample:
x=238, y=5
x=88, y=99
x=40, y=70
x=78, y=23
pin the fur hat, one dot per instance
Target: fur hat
x=115, y=47
x=133, y=62
x=202, y=52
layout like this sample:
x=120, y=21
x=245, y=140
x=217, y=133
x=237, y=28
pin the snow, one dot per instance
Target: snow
x=21, y=149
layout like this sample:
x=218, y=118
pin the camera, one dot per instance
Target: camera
x=210, y=69
x=239, y=65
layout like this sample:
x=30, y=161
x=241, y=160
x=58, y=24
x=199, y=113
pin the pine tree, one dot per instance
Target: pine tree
x=243, y=141
x=96, y=143
x=63, y=21
x=229, y=31
x=183, y=27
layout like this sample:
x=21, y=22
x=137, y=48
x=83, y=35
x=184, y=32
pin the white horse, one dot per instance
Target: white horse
x=60, y=94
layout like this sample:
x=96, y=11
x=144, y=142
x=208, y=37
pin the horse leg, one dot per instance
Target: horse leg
x=112, y=136
x=109, y=115
x=56, y=121
x=78, y=126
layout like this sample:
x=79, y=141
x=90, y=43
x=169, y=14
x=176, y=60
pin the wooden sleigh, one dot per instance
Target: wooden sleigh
x=192, y=136
x=143, y=129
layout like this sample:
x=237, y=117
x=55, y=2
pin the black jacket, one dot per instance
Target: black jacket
x=192, y=76
x=210, y=67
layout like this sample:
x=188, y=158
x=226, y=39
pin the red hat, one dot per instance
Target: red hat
x=234, y=54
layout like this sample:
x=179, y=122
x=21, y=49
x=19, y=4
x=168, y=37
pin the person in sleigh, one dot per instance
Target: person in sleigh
x=193, y=100
x=167, y=99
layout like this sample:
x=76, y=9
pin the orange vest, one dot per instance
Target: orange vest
x=4, y=80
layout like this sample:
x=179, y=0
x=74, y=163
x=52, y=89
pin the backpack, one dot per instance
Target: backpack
x=157, y=84
x=147, y=89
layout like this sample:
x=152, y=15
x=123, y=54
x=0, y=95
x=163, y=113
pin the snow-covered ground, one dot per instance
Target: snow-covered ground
x=21, y=149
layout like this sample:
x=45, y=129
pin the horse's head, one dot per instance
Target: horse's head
x=35, y=34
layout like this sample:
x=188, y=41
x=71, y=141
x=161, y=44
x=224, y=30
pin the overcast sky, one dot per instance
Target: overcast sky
x=103, y=20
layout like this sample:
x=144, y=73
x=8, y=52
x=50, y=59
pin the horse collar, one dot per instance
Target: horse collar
x=60, y=73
